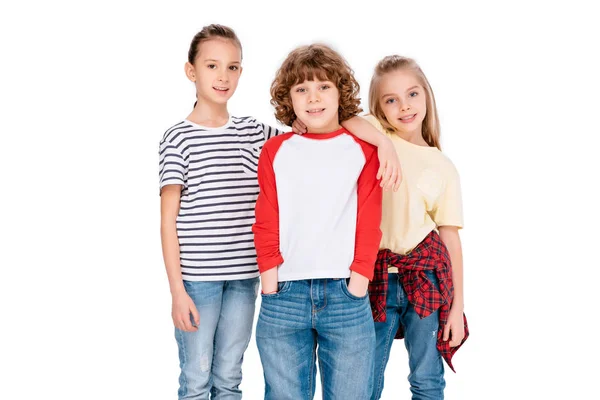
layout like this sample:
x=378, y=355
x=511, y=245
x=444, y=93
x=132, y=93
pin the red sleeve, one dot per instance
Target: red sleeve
x=368, y=220
x=266, y=227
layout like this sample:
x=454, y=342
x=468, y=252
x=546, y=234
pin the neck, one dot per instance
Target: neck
x=414, y=137
x=209, y=114
x=332, y=126
x=325, y=130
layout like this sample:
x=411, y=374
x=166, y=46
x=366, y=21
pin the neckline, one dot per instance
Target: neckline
x=321, y=136
x=393, y=135
x=210, y=128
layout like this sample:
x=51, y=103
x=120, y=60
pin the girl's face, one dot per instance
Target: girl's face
x=403, y=101
x=216, y=70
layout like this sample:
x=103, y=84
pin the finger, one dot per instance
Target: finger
x=187, y=324
x=391, y=178
x=381, y=170
x=195, y=315
x=446, y=332
x=302, y=126
x=398, y=181
x=179, y=325
x=455, y=341
x=394, y=179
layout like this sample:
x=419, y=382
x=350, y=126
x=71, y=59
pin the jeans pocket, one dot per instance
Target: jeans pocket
x=249, y=159
x=346, y=291
x=282, y=288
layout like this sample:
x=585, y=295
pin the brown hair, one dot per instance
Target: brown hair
x=431, y=124
x=211, y=32
x=306, y=63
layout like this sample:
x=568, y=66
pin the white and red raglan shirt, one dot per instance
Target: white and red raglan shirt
x=318, y=212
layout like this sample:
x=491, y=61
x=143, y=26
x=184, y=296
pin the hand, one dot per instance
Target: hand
x=455, y=327
x=182, y=307
x=269, y=281
x=390, y=171
x=298, y=127
x=270, y=289
x=358, y=285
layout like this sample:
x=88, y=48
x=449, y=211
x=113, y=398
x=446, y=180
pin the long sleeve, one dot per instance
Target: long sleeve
x=266, y=227
x=368, y=232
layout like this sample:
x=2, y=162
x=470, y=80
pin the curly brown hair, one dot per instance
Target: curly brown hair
x=306, y=63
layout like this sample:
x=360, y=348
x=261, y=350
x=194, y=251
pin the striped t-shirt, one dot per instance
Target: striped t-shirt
x=217, y=170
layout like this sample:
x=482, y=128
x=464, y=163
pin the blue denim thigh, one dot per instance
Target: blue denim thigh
x=286, y=342
x=197, y=350
x=346, y=341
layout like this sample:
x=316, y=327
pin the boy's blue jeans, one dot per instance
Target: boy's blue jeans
x=211, y=358
x=426, y=376
x=316, y=319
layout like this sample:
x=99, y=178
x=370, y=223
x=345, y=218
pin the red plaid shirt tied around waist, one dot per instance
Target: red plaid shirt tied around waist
x=430, y=254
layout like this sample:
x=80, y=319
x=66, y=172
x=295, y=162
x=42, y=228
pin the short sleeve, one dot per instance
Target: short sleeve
x=270, y=132
x=448, y=210
x=172, y=165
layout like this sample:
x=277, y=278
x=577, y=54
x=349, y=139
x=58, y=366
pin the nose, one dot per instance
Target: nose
x=404, y=105
x=222, y=77
x=313, y=96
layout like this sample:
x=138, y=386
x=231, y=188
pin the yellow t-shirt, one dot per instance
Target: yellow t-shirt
x=429, y=195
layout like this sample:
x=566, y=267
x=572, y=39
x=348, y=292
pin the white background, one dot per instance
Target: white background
x=88, y=88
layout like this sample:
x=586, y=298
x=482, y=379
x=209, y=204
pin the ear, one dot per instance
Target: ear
x=241, y=69
x=190, y=72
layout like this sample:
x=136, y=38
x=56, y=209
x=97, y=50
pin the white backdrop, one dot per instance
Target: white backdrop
x=88, y=88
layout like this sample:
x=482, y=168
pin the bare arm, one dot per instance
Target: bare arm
x=182, y=303
x=389, y=164
x=451, y=238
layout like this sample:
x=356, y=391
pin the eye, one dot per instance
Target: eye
x=413, y=94
x=211, y=66
x=234, y=67
x=300, y=90
x=390, y=101
x=325, y=87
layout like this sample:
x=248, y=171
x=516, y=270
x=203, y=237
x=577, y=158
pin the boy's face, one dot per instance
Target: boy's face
x=316, y=104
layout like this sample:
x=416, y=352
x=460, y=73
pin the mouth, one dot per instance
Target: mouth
x=407, y=119
x=315, y=111
x=221, y=89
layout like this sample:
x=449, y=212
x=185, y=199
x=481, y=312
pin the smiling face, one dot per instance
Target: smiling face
x=316, y=104
x=216, y=70
x=403, y=101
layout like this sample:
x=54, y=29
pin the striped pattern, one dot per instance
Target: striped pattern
x=217, y=168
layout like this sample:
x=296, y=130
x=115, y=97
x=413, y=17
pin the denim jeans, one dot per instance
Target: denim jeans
x=316, y=319
x=211, y=358
x=426, y=376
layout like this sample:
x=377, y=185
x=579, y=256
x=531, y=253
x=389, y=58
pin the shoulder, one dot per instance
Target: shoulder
x=368, y=149
x=175, y=133
x=446, y=166
x=246, y=123
x=273, y=144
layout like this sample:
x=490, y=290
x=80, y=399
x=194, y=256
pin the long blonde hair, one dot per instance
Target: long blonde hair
x=431, y=123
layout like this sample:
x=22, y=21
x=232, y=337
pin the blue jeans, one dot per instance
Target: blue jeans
x=312, y=319
x=211, y=358
x=426, y=376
